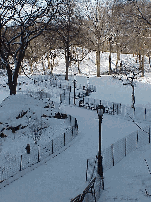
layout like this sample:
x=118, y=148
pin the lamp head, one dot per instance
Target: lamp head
x=100, y=112
x=74, y=76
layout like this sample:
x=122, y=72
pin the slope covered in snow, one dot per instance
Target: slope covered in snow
x=62, y=177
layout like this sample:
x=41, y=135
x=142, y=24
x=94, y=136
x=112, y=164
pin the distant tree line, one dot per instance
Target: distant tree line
x=32, y=30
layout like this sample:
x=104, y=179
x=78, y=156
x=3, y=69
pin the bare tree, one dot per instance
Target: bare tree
x=97, y=25
x=131, y=22
x=20, y=23
x=68, y=28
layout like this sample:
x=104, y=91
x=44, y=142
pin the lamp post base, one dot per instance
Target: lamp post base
x=100, y=167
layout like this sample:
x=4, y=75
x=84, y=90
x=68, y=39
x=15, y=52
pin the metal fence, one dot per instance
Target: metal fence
x=14, y=164
x=82, y=99
x=112, y=108
x=116, y=152
x=139, y=113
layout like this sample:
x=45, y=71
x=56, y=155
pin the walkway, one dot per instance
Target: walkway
x=63, y=177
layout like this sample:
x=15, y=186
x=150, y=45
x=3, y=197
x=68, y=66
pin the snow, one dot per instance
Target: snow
x=61, y=177
x=128, y=180
x=34, y=110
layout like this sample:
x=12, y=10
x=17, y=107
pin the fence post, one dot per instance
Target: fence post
x=125, y=146
x=75, y=122
x=86, y=176
x=38, y=155
x=145, y=113
x=87, y=169
x=69, y=98
x=52, y=146
x=113, y=108
x=112, y=154
x=87, y=163
x=60, y=99
x=64, y=139
x=102, y=183
x=149, y=134
x=117, y=109
x=21, y=163
x=137, y=136
x=133, y=111
x=72, y=130
x=120, y=109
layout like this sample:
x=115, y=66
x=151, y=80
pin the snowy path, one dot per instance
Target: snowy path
x=128, y=180
x=63, y=177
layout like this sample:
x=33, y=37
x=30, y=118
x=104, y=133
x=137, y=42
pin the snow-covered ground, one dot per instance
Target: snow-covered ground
x=37, y=125
x=128, y=180
x=63, y=177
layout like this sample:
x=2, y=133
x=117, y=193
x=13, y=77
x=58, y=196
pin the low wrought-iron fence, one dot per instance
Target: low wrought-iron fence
x=118, y=150
x=115, y=153
x=112, y=108
x=13, y=163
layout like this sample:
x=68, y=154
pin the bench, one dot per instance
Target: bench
x=89, y=189
x=76, y=199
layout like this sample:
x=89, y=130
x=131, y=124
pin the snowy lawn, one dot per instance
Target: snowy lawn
x=130, y=179
x=63, y=177
x=35, y=121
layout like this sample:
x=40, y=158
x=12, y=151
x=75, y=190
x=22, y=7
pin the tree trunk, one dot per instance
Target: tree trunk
x=142, y=68
x=43, y=66
x=67, y=61
x=98, y=62
x=118, y=58
x=74, y=53
x=31, y=69
x=20, y=71
x=9, y=74
x=48, y=59
x=82, y=53
x=13, y=88
x=140, y=65
x=78, y=65
x=12, y=79
x=51, y=68
x=110, y=60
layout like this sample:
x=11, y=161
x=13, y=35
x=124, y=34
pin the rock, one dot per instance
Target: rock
x=2, y=135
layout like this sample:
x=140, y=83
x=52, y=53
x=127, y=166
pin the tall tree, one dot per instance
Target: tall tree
x=97, y=24
x=68, y=27
x=132, y=21
x=20, y=23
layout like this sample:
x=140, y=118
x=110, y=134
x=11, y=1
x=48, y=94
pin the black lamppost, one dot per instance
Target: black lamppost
x=74, y=86
x=100, y=111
